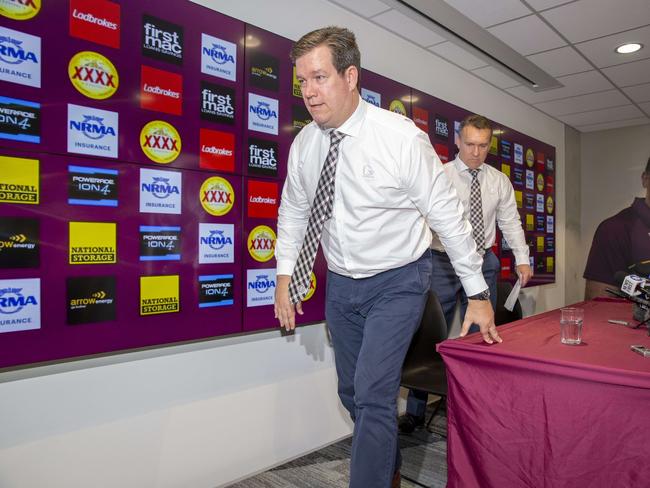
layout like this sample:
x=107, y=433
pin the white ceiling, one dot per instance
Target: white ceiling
x=571, y=40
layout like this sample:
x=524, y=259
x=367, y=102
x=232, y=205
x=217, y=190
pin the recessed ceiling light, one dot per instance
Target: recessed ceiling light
x=630, y=47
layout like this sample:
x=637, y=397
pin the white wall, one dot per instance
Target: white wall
x=205, y=414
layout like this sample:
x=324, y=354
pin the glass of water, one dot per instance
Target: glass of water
x=571, y=325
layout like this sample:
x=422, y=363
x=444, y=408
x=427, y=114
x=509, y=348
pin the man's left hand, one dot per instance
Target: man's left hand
x=480, y=312
x=525, y=273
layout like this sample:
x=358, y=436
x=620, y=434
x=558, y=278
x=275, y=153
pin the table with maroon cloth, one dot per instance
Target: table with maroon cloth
x=533, y=412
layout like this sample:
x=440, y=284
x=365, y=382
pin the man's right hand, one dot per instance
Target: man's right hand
x=285, y=311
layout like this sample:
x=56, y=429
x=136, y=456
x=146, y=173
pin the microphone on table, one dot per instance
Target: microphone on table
x=636, y=289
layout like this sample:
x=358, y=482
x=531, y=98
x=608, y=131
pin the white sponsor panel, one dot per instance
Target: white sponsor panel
x=216, y=243
x=371, y=97
x=218, y=57
x=20, y=304
x=160, y=191
x=260, y=287
x=263, y=114
x=20, y=58
x=92, y=131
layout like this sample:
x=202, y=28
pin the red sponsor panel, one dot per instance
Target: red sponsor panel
x=262, y=201
x=540, y=162
x=505, y=268
x=161, y=90
x=421, y=119
x=550, y=184
x=217, y=150
x=96, y=21
x=442, y=151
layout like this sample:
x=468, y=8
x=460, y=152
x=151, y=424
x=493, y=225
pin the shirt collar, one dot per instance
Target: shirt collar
x=460, y=166
x=352, y=126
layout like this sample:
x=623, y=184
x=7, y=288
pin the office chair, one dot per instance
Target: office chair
x=423, y=367
x=501, y=315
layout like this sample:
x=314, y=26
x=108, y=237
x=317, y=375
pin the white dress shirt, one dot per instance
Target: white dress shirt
x=390, y=189
x=498, y=202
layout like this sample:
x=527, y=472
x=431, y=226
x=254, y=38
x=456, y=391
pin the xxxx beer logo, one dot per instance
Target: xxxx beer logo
x=93, y=75
x=312, y=287
x=398, y=107
x=20, y=9
x=261, y=243
x=160, y=141
x=217, y=196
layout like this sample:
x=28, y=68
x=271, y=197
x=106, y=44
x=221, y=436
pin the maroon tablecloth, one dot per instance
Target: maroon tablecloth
x=533, y=412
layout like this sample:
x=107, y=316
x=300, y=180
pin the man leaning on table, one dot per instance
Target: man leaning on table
x=367, y=185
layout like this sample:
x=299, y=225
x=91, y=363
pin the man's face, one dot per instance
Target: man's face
x=330, y=97
x=473, y=145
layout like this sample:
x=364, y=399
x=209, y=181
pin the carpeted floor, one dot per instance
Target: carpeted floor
x=424, y=463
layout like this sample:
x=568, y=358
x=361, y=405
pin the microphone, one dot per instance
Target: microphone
x=637, y=290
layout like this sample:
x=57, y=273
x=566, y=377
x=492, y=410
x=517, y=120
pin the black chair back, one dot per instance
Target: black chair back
x=501, y=315
x=432, y=330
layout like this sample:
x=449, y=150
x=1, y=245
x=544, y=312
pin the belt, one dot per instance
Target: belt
x=443, y=253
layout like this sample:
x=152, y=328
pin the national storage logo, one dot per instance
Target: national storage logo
x=161, y=90
x=217, y=103
x=160, y=141
x=371, y=97
x=20, y=9
x=20, y=304
x=90, y=299
x=20, y=120
x=217, y=150
x=160, y=243
x=160, y=191
x=260, y=287
x=96, y=21
x=218, y=57
x=92, y=186
x=263, y=114
x=19, y=242
x=264, y=71
x=19, y=180
x=216, y=290
x=262, y=157
x=217, y=196
x=92, y=243
x=93, y=75
x=162, y=40
x=159, y=294
x=261, y=243
x=92, y=131
x=20, y=58
x=216, y=243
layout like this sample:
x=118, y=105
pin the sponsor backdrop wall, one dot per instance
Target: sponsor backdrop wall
x=141, y=167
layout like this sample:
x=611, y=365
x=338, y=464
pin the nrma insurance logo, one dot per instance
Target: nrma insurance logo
x=20, y=304
x=371, y=97
x=216, y=243
x=160, y=191
x=92, y=131
x=218, y=57
x=260, y=287
x=20, y=58
x=263, y=114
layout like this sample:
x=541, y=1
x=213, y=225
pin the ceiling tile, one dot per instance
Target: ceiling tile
x=603, y=116
x=527, y=35
x=613, y=125
x=559, y=62
x=490, y=13
x=588, y=19
x=639, y=93
x=543, y=4
x=582, y=103
x=645, y=107
x=602, y=52
x=578, y=84
x=366, y=8
x=496, y=77
x=408, y=28
x=630, y=73
x=458, y=55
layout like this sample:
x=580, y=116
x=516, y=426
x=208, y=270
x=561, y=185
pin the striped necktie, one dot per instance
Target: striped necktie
x=476, y=212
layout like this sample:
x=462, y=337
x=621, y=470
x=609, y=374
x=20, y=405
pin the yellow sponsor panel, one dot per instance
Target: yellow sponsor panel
x=92, y=243
x=549, y=204
x=295, y=85
x=505, y=169
x=540, y=182
x=312, y=287
x=159, y=294
x=494, y=145
x=261, y=243
x=540, y=244
x=93, y=75
x=398, y=107
x=160, y=141
x=20, y=9
x=519, y=198
x=549, y=264
x=530, y=222
x=19, y=180
x=530, y=158
x=217, y=196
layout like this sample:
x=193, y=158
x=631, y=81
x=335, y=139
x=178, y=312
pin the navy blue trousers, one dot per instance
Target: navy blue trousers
x=372, y=321
x=447, y=287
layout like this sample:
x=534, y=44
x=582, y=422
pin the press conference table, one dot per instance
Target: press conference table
x=532, y=412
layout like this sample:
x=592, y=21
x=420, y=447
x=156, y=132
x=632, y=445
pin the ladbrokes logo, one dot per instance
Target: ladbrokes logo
x=19, y=180
x=261, y=243
x=160, y=191
x=93, y=75
x=264, y=71
x=96, y=21
x=217, y=196
x=92, y=243
x=20, y=120
x=217, y=150
x=19, y=242
x=216, y=243
x=161, y=90
x=262, y=199
x=159, y=294
x=20, y=58
x=442, y=127
x=160, y=141
x=217, y=103
x=20, y=304
x=263, y=114
x=262, y=157
x=91, y=299
x=442, y=151
x=421, y=119
x=92, y=131
x=20, y=9
x=218, y=57
x=162, y=40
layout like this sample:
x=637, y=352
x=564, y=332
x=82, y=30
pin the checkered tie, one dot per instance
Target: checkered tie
x=321, y=210
x=476, y=212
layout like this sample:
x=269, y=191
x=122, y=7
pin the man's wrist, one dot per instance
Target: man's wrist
x=484, y=295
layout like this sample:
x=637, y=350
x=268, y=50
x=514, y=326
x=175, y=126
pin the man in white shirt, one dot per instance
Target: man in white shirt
x=494, y=203
x=367, y=185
